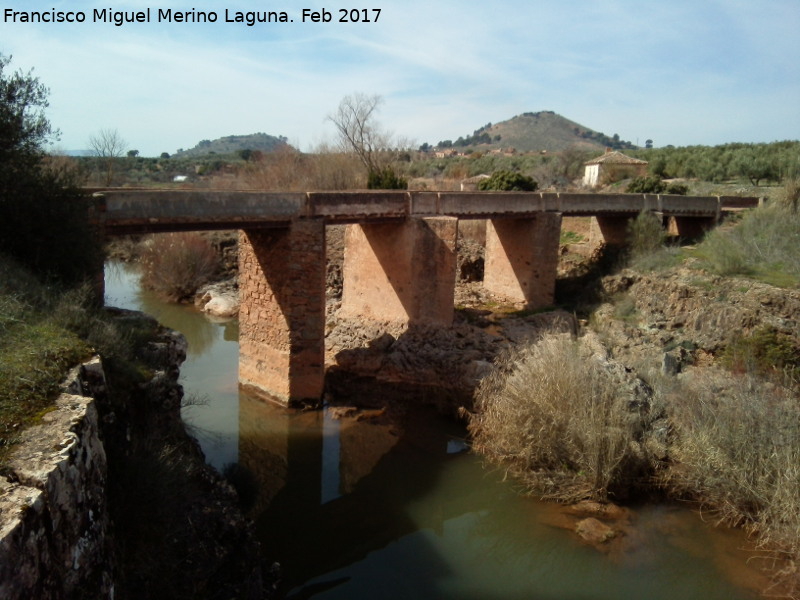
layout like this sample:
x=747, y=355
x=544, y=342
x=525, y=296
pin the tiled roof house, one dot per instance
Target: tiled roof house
x=612, y=166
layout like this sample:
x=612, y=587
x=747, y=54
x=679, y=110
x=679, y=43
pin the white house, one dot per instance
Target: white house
x=612, y=166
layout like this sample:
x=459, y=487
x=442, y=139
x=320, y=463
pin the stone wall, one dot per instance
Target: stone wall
x=54, y=521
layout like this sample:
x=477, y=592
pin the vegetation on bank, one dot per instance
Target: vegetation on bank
x=568, y=423
x=45, y=330
x=175, y=265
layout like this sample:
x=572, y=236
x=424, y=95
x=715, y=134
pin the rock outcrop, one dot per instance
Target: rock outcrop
x=54, y=519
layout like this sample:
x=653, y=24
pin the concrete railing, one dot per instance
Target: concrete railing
x=140, y=211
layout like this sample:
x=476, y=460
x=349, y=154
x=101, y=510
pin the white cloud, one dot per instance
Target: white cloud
x=690, y=72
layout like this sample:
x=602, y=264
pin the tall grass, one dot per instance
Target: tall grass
x=45, y=330
x=764, y=245
x=736, y=449
x=556, y=415
x=175, y=265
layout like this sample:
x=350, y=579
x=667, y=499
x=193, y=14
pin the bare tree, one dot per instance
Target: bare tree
x=360, y=134
x=108, y=145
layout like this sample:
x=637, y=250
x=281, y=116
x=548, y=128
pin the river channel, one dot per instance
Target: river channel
x=357, y=509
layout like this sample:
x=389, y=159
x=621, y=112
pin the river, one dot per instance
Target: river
x=353, y=509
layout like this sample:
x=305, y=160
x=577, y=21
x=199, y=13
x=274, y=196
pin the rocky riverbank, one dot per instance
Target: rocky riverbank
x=108, y=496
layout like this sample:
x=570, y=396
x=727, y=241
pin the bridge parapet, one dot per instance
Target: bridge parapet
x=144, y=211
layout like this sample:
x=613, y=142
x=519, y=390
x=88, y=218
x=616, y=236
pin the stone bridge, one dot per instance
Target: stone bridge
x=400, y=256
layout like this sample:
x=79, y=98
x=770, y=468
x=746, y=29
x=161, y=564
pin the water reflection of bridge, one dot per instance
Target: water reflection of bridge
x=338, y=490
x=400, y=256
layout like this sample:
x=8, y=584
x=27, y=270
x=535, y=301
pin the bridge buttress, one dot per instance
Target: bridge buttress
x=282, y=314
x=522, y=258
x=403, y=271
x=610, y=229
x=690, y=228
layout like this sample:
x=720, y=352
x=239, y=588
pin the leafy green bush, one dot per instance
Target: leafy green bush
x=386, y=179
x=645, y=233
x=508, y=181
x=765, y=352
x=651, y=184
x=677, y=189
x=765, y=245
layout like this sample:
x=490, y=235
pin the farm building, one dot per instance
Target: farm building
x=612, y=166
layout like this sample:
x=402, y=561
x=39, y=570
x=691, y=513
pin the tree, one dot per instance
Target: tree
x=508, y=181
x=359, y=133
x=108, y=146
x=44, y=221
x=23, y=125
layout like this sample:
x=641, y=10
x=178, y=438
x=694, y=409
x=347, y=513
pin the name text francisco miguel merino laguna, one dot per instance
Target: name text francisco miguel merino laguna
x=168, y=15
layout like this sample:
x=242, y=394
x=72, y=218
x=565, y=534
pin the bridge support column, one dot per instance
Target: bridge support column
x=690, y=228
x=522, y=258
x=610, y=229
x=401, y=271
x=282, y=314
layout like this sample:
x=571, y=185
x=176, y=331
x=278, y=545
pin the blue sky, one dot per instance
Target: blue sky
x=679, y=72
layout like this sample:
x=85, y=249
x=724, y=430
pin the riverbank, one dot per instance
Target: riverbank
x=683, y=384
x=103, y=491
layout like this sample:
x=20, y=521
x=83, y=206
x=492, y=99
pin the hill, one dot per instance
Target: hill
x=533, y=132
x=231, y=144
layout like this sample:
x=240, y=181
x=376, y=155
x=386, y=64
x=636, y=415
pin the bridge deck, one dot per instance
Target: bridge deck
x=141, y=211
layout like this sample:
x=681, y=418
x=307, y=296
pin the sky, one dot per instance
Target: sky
x=679, y=72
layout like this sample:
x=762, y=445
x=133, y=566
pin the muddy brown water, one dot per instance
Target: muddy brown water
x=369, y=509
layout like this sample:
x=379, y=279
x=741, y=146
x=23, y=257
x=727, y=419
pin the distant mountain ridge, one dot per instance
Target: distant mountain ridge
x=230, y=144
x=535, y=132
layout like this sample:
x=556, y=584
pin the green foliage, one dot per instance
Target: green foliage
x=766, y=351
x=386, y=179
x=44, y=218
x=651, y=184
x=754, y=163
x=37, y=346
x=765, y=245
x=677, y=189
x=645, y=233
x=508, y=181
x=570, y=237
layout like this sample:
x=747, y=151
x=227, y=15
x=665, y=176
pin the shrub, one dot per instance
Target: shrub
x=561, y=419
x=651, y=184
x=737, y=449
x=645, y=234
x=677, y=189
x=766, y=352
x=508, y=181
x=765, y=245
x=386, y=179
x=175, y=265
